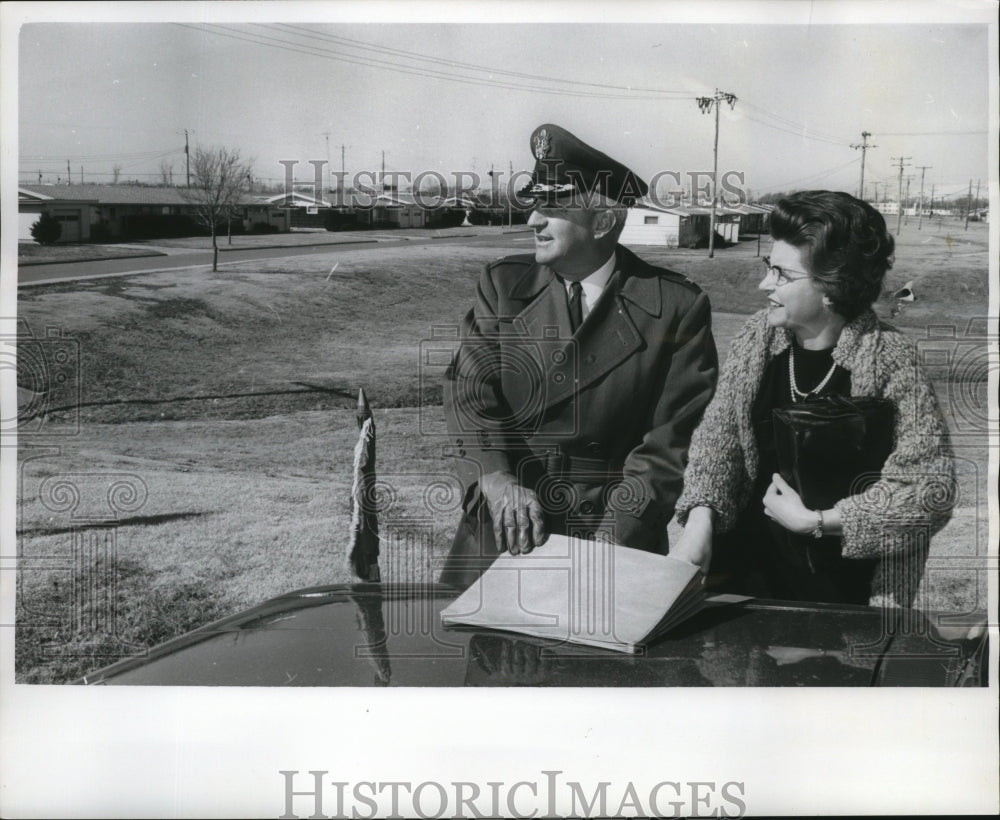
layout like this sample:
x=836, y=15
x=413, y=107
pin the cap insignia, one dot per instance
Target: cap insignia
x=542, y=144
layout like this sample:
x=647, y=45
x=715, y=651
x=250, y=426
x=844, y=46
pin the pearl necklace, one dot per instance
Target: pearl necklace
x=795, y=392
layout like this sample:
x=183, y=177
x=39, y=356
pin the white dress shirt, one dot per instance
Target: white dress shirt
x=593, y=285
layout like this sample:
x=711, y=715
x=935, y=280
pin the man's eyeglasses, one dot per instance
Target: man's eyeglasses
x=782, y=276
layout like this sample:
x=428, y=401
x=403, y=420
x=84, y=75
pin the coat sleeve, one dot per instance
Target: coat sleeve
x=474, y=405
x=915, y=495
x=655, y=468
x=716, y=474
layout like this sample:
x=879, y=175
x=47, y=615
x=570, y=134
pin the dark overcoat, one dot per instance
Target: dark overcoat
x=597, y=423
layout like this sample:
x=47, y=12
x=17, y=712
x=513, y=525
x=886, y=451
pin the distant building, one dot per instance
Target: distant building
x=687, y=226
x=121, y=212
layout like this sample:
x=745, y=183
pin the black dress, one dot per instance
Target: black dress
x=759, y=557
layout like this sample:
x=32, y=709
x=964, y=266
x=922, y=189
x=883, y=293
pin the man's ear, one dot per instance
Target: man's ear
x=604, y=223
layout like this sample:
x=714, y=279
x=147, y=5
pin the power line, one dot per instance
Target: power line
x=802, y=134
x=138, y=155
x=315, y=51
x=791, y=127
x=412, y=55
x=818, y=175
x=928, y=133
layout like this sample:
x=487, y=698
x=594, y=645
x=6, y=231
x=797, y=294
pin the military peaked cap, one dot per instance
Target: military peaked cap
x=566, y=166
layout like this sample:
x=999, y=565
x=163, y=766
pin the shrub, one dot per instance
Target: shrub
x=100, y=232
x=263, y=227
x=339, y=221
x=47, y=230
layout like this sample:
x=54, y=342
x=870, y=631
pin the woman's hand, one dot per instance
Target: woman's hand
x=783, y=505
x=695, y=544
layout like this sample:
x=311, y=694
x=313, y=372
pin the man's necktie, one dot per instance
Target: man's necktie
x=575, y=305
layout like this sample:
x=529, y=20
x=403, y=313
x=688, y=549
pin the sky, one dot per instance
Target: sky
x=453, y=97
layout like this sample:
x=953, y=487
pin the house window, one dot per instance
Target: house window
x=651, y=220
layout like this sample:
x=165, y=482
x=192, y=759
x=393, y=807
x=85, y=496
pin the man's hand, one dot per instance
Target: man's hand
x=518, y=520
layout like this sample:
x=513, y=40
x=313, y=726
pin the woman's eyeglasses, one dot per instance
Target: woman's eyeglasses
x=782, y=276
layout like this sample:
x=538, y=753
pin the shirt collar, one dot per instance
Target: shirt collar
x=594, y=284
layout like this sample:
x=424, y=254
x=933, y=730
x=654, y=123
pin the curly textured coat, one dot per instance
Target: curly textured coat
x=893, y=519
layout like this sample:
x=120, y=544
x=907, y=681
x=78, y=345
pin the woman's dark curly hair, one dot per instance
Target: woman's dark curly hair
x=844, y=241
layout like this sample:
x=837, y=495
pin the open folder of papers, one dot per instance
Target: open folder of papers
x=587, y=592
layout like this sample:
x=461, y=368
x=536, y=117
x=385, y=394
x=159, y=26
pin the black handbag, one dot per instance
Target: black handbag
x=833, y=447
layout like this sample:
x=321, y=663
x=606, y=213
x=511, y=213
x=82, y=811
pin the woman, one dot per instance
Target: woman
x=817, y=337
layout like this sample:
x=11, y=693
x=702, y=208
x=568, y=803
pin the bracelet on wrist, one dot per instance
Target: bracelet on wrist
x=818, y=529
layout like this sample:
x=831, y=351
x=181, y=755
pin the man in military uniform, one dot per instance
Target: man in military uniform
x=581, y=374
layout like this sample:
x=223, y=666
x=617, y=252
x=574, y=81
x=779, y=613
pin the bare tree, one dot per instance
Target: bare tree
x=166, y=172
x=116, y=171
x=218, y=179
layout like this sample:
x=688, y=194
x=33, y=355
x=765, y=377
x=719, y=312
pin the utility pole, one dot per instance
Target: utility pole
x=69, y=178
x=907, y=220
x=899, y=219
x=976, y=200
x=326, y=134
x=705, y=104
x=187, y=158
x=510, y=207
x=968, y=204
x=81, y=178
x=932, y=199
x=864, y=146
x=923, y=170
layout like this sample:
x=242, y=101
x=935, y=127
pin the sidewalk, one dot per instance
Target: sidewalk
x=296, y=239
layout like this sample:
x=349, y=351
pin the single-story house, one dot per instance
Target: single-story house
x=684, y=226
x=649, y=224
x=76, y=212
x=754, y=219
x=300, y=210
x=394, y=210
x=96, y=212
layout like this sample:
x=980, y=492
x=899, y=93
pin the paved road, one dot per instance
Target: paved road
x=71, y=271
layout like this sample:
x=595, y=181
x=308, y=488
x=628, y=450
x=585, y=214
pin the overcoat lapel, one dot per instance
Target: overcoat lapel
x=603, y=341
x=546, y=317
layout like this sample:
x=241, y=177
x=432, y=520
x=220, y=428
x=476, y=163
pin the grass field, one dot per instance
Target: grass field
x=30, y=253
x=226, y=402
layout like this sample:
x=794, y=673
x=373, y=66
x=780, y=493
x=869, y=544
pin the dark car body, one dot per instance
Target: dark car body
x=391, y=635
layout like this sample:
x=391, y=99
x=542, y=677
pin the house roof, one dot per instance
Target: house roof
x=296, y=199
x=647, y=204
x=687, y=209
x=114, y=194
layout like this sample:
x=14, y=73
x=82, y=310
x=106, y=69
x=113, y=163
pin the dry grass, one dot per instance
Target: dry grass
x=42, y=254
x=229, y=399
